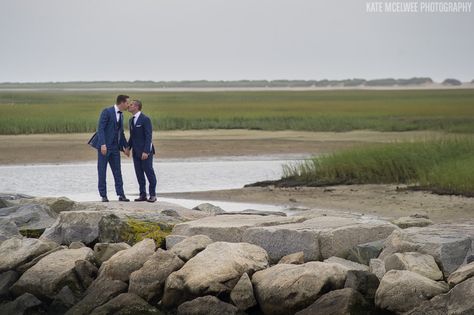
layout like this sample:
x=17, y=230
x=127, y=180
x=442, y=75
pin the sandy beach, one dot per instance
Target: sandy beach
x=380, y=200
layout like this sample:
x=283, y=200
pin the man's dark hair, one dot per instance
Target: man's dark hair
x=139, y=104
x=122, y=98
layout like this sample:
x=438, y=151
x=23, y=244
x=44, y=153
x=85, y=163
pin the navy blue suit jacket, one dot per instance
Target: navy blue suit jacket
x=140, y=136
x=106, y=131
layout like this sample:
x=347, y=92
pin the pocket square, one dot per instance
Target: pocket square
x=138, y=126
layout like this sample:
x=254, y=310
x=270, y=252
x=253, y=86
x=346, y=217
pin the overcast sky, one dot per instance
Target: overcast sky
x=59, y=40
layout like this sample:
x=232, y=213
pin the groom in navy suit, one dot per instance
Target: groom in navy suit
x=109, y=140
x=142, y=150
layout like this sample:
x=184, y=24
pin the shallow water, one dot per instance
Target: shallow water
x=78, y=181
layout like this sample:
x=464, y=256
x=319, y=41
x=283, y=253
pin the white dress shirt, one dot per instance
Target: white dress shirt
x=135, y=117
x=117, y=114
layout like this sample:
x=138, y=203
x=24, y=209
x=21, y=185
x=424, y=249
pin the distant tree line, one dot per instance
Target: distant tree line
x=233, y=84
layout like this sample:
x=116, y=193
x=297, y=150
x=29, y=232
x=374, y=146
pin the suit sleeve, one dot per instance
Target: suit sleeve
x=130, y=143
x=123, y=140
x=148, y=135
x=103, y=120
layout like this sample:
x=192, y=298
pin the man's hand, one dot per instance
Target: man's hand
x=103, y=149
x=144, y=156
x=127, y=152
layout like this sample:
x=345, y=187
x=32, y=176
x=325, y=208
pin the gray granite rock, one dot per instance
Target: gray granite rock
x=17, y=251
x=172, y=240
x=207, y=305
x=33, y=217
x=364, y=282
x=8, y=229
x=24, y=304
x=149, y=281
x=350, y=265
x=189, y=247
x=209, y=208
x=86, y=272
x=463, y=273
x=242, y=294
x=7, y=279
x=103, y=251
x=295, y=259
x=51, y=273
x=126, y=303
x=285, y=289
x=422, y=264
x=407, y=222
x=214, y=271
x=377, y=267
x=363, y=253
x=339, y=302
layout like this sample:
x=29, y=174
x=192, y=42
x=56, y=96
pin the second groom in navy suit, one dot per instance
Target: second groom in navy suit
x=142, y=150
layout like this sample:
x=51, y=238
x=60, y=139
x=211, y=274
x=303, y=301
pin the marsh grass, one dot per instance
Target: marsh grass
x=77, y=111
x=443, y=166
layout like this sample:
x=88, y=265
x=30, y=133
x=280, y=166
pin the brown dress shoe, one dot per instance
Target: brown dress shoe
x=141, y=198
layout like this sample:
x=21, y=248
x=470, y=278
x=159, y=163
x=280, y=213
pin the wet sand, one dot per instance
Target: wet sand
x=65, y=148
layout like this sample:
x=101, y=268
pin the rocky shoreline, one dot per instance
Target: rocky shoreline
x=62, y=257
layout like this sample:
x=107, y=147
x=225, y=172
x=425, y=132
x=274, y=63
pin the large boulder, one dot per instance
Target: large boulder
x=448, y=244
x=75, y=226
x=7, y=279
x=58, y=205
x=103, y=251
x=319, y=238
x=349, y=264
x=285, y=289
x=364, y=282
x=31, y=217
x=126, y=303
x=8, y=229
x=422, y=264
x=214, y=271
x=402, y=290
x=189, y=247
x=123, y=263
x=363, y=253
x=229, y=228
x=17, y=251
x=51, y=273
x=149, y=281
x=458, y=301
x=339, y=302
x=377, y=267
x=207, y=305
x=295, y=259
x=99, y=293
x=25, y=304
x=461, y=274
x=242, y=294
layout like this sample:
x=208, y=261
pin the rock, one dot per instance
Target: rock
x=99, y=293
x=8, y=229
x=295, y=259
x=224, y=228
x=56, y=204
x=320, y=237
x=5, y=203
x=149, y=281
x=461, y=274
x=76, y=245
x=172, y=240
x=207, y=305
x=402, y=290
x=63, y=301
x=363, y=253
x=339, y=302
x=209, y=208
x=103, y=251
x=214, y=271
x=377, y=267
x=407, y=222
x=171, y=213
x=448, y=244
x=23, y=304
x=51, y=273
x=189, y=247
x=458, y=301
x=242, y=294
x=24, y=267
x=17, y=251
x=126, y=303
x=470, y=259
x=7, y=279
x=364, y=282
x=422, y=264
x=255, y=212
x=285, y=289
x=123, y=263
x=75, y=226
x=86, y=272
x=350, y=265
x=14, y=197
x=31, y=217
